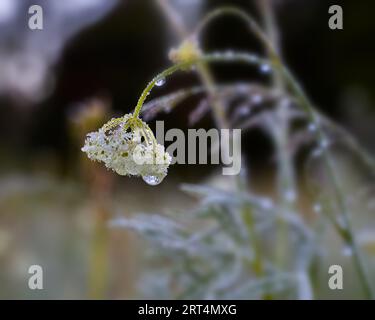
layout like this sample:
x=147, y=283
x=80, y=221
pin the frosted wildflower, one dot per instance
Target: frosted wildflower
x=188, y=51
x=128, y=146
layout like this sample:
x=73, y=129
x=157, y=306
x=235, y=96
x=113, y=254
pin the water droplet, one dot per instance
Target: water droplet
x=290, y=195
x=347, y=251
x=229, y=54
x=256, y=99
x=311, y=127
x=266, y=203
x=265, y=68
x=341, y=221
x=117, y=222
x=152, y=180
x=243, y=110
x=160, y=82
x=167, y=108
x=324, y=143
x=317, y=152
x=317, y=208
x=252, y=58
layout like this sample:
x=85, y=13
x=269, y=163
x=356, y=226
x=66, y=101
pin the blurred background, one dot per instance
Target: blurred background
x=90, y=63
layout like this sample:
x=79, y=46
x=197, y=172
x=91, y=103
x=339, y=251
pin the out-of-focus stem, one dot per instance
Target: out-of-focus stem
x=286, y=180
x=312, y=115
x=98, y=276
x=202, y=68
x=174, y=18
x=285, y=177
x=249, y=20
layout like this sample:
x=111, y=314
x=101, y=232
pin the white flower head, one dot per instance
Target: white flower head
x=128, y=146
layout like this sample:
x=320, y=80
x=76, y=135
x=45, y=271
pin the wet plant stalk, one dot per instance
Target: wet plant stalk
x=286, y=174
x=347, y=232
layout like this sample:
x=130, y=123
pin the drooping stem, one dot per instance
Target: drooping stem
x=153, y=82
x=206, y=58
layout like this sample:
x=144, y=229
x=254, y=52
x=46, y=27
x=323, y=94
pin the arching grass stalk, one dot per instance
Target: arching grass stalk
x=305, y=104
x=228, y=57
x=237, y=12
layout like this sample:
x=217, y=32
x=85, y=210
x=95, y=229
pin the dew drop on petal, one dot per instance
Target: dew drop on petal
x=151, y=180
x=160, y=82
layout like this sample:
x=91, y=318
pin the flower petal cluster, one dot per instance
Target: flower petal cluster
x=187, y=51
x=128, y=146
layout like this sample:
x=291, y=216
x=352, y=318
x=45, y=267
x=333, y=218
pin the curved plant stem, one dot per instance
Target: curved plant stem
x=152, y=83
x=286, y=172
x=237, y=12
x=214, y=57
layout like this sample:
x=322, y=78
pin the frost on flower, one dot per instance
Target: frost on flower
x=128, y=146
